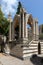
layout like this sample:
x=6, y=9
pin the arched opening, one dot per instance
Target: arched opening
x=30, y=27
x=16, y=29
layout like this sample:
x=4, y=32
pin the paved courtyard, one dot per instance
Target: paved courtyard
x=9, y=60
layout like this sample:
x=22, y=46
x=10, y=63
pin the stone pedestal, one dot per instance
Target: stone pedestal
x=16, y=48
x=7, y=49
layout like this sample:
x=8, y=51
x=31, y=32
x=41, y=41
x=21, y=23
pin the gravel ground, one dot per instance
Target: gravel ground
x=10, y=60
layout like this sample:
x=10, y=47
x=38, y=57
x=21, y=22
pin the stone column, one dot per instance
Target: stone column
x=23, y=25
x=20, y=27
x=37, y=30
x=10, y=25
x=26, y=26
x=34, y=29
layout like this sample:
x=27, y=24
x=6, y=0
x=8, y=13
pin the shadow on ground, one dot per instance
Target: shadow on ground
x=36, y=60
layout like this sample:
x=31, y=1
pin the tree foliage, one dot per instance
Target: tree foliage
x=18, y=9
x=4, y=24
x=42, y=28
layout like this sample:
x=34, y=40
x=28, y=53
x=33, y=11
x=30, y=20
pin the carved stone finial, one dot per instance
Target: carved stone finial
x=9, y=15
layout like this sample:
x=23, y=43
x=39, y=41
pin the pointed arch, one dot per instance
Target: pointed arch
x=15, y=26
x=30, y=20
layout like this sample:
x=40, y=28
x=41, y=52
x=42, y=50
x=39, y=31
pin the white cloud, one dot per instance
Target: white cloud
x=9, y=6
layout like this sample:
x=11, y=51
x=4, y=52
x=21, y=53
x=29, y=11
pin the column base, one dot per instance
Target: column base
x=24, y=40
x=35, y=37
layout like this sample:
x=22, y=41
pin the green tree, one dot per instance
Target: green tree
x=19, y=6
x=4, y=24
x=42, y=28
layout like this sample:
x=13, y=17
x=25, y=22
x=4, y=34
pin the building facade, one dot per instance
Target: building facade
x=21, y=36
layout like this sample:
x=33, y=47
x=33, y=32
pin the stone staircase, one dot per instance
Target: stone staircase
x=24, y=50
x=41, y=43
x=31, y=49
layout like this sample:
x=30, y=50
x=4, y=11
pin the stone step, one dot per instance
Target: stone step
x=41, y=42
x=30, y=51
x=35, y=41
x=42, y=46
x=33, y=44
x=29, y=55
x=29, y=48
x=41, y=49
x=41, y=52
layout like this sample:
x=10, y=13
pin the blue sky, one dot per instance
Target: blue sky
x=34, y=7
x=9, y=6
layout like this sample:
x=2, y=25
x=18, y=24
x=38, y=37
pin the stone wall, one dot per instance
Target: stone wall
x=15, y=49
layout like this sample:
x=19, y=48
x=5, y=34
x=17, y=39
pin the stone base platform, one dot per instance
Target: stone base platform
x=22, y=49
